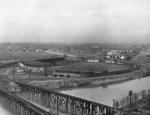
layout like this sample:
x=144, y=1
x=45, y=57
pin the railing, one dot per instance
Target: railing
x=18, y=105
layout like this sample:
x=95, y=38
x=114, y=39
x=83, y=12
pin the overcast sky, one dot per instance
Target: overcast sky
x=75, y=21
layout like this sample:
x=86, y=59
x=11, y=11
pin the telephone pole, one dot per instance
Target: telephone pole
x=13, y=73
x=29, y=74
x=113, y=105
x=130, y=95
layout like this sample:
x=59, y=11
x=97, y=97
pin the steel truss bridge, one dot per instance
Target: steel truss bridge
x=58, y=103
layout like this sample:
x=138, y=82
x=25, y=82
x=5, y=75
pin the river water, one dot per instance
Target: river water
x=105, y=95
x=4, y=111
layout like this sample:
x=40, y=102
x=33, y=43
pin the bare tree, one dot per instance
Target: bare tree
x=143, y=93
x=135, y=97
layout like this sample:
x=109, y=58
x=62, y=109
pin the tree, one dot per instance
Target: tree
x=148, y=101
x=128, y=58
x=135, y=97
x=143, y=93
x=116, y=104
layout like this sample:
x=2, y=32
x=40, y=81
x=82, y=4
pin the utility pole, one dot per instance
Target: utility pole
x=130, y=95
x=113, y=105
x=57, y=99
x=29, y=74
x=13, y=73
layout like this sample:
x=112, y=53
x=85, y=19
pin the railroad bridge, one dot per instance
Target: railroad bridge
x=18, y=105
x=59, y=103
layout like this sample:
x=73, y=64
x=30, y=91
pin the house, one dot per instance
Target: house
x=93, y=59
x=109, y=61
x=122, y=57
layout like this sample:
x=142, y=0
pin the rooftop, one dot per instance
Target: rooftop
x=35, y=63
x=44, y=62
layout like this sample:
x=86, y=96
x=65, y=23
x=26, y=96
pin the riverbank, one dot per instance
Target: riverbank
x=140, y=103
x=71, y=83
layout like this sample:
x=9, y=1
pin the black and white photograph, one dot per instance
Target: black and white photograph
x=74, y=57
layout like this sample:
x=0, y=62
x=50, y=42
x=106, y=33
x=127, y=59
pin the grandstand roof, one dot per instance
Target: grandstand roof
x=35, y=63
x=44, y=62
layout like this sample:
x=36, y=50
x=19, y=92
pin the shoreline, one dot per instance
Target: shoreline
x=104, y=85
x=61, y=85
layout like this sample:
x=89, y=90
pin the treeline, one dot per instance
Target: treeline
x=136, y=98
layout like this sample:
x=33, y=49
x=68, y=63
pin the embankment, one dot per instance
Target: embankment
x=87, y=82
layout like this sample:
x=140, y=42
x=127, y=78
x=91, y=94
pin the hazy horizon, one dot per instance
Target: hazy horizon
x=75, y=21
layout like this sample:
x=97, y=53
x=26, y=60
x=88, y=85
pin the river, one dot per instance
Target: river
x=4, y=111
x=105, y=95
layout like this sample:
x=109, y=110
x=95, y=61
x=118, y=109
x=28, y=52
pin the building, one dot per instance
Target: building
x=41, y=66
x=91, y=58
x=34, y=66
